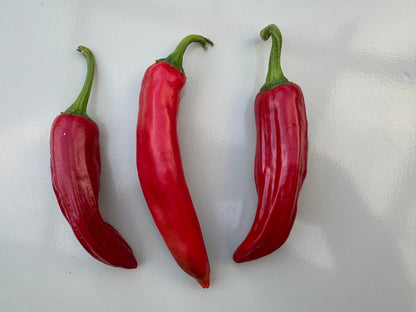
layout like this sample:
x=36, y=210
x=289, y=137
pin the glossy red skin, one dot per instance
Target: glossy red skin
x=160, y=170
x=279, y=169
x=75, y=167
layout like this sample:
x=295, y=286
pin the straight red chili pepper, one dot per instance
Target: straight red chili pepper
x=281, y=157
x=75, y=167
x=159, y=163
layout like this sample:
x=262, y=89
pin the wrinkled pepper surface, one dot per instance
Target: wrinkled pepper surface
x=281, y=157
x=75, y=168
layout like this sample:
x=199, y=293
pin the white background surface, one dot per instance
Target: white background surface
x=352, y=247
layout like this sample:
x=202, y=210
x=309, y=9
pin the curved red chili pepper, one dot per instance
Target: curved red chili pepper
x=159, y=163
x=75, y=167
x=281, y=157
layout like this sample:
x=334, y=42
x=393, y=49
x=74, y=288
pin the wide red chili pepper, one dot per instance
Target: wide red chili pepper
x=75, y=167
x=281, y=157
x=159, y=162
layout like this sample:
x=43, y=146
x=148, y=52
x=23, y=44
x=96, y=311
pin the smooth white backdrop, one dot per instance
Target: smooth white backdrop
x=352, y=247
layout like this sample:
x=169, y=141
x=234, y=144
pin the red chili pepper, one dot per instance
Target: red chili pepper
x=281, y=157
x=159, y=162
x=75, y=167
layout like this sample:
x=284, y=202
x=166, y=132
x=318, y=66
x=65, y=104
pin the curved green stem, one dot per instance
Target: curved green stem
x=275, y=75
x=176, y=57
x=79, y=107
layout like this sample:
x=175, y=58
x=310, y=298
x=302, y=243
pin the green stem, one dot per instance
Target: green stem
x=176, y=57
x=79, y=107
x=275, y=75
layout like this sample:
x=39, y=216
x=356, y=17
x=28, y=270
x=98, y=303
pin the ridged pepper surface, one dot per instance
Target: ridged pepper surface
x=75, y=168
x=281, y=157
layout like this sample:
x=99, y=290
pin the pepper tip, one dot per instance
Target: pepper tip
x=130, y=264
x=238, y=258
x=205, y=283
